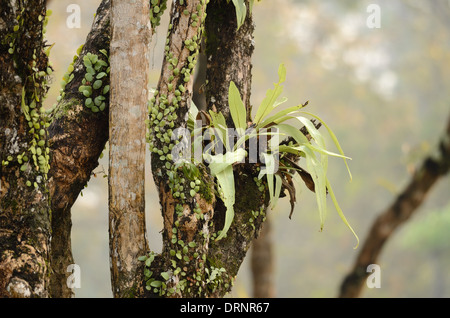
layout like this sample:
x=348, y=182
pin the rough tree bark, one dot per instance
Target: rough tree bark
x=24, y=200
x=193, y=263
x=262, y=263
x=404, y=206
x=229, y=56
x=77, y=137
x=204, y=267
x=130, y=38
x=228, y=53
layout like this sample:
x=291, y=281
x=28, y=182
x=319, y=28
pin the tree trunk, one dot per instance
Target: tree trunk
x=262, y=263
x=193, y=263
x=432, y=169
x=24, y=201
x=77, y=137
x=128, y=108
x=229, y=53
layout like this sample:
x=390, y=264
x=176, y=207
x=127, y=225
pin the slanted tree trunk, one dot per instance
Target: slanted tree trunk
x=130, y=40
x=77, y=137
x=404, y=206
x=25, y=214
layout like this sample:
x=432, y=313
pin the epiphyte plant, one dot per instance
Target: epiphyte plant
x=285, y=146
x=95, y=85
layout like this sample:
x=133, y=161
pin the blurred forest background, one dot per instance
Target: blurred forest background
x=384, y=92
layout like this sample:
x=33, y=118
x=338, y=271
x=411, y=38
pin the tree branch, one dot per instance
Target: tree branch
x=77, y=137
x=431, y=170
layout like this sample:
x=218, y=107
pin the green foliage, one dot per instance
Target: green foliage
x=241, y=12
x=221, y=168
x=237, y=108
x=309, y=144
x=95, y=85
x=157, y=8
x=35, y=158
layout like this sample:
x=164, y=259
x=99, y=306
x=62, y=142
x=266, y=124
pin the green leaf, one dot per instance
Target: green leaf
x=90, y=70
x=237, y=108
x=241, y=12
x=94, y=58
x=104, y=52
x=220, y=127
x=89, y=77
x=318, y=174
x=333, y=137
x=165, y=275
x=313, y=131
x=156, y=283
x=281, y=116
x=277, y=190
x=326, y=152
x=341, y=214
x=192, y=244
x=97, y=84
x=88, y=102
x=290, y=149
x=272, y=95
x=225, y=179
x=87, y=61
x=87, y=92
x=293, y=132
x=100, y=75
x=192, y=116
x=221, y=167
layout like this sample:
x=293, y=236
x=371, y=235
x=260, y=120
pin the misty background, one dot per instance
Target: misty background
x=384, y=92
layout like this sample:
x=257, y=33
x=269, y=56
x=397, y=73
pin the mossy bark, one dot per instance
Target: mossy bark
x=77, y=139
x=24, y=201
x=209, y=267
x=229, y=54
